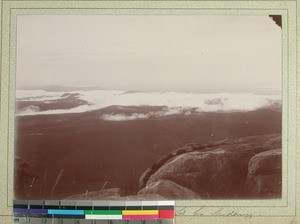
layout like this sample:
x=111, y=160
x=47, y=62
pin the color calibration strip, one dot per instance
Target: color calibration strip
x=95, y=210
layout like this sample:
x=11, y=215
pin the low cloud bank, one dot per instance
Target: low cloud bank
x=173, y=102
x=123, y=117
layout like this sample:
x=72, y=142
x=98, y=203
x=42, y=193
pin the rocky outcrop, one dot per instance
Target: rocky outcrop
x=240, y=168
x=264, y=174
x=143, y=197
x=169, y=190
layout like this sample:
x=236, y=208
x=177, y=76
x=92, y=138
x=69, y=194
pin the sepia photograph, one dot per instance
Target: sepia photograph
x=148, y=107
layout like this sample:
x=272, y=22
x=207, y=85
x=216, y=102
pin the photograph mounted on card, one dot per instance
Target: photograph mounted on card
x=137, y=101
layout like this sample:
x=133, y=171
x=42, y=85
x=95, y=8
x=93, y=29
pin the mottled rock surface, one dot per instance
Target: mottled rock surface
x=241, y=168
x=169, y=190
x=264, y=174
x=247, y=167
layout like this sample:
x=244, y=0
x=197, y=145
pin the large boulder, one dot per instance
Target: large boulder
x=218, y=170
x=264, y=174
x=169, y=190
x=142, y=196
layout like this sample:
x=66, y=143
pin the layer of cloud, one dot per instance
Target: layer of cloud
x=175, y=102
x=123, y=117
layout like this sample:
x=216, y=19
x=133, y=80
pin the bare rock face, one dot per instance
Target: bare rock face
x=142, y=196
x=264, y=174
x=169, y=190
x=240, y=168
x=220, y=170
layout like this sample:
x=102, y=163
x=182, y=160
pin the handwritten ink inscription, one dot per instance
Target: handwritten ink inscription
x=208, y=211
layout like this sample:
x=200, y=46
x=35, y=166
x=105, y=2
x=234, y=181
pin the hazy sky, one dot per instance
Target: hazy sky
x=151, y=53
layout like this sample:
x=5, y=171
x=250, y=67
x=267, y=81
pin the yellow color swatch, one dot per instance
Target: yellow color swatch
x=140, y=212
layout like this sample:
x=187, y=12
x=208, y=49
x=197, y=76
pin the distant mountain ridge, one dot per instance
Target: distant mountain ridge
x=58, y=88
